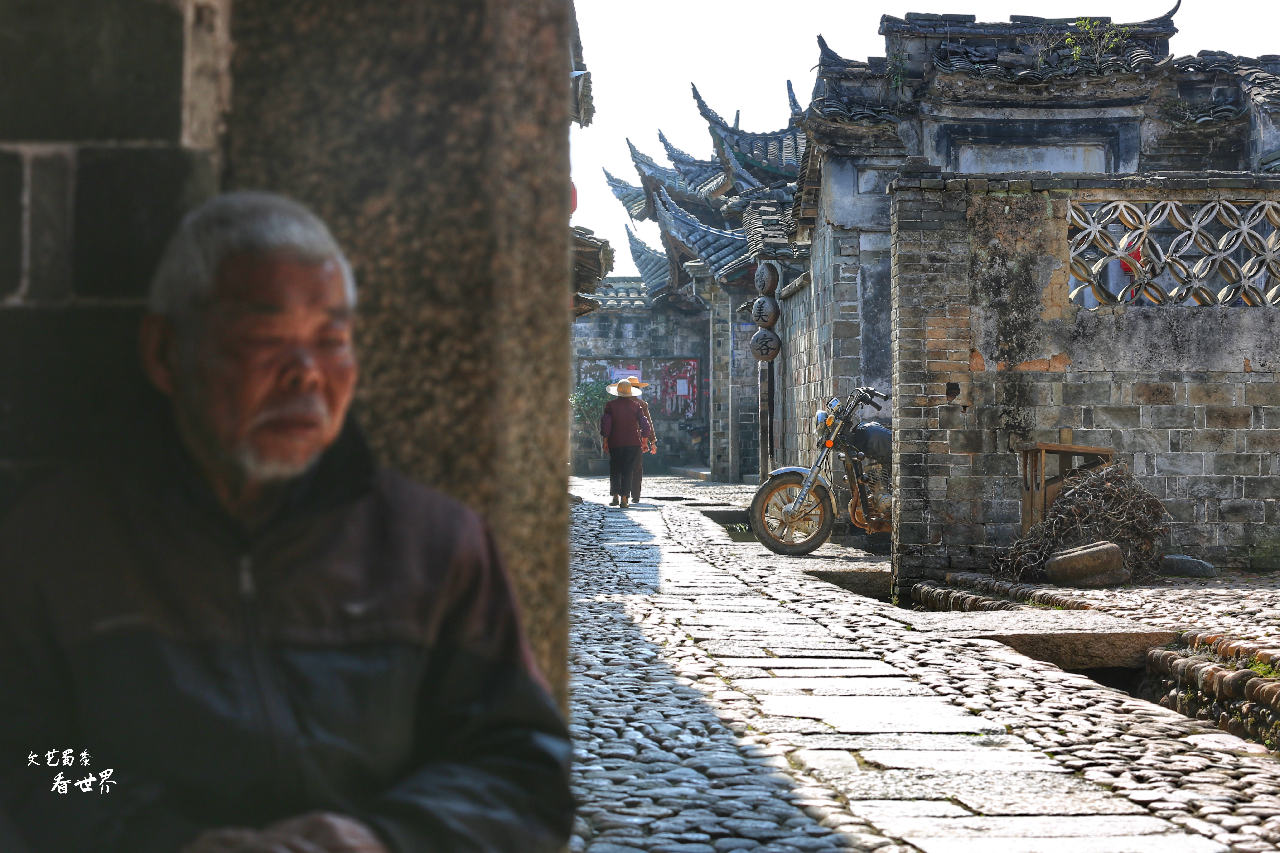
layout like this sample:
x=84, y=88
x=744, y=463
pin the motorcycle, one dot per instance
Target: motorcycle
x=792, y=512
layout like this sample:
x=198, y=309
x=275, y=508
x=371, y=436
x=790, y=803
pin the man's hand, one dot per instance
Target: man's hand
x=332, y=833
x=606, y=445
x=248, y=841
x=317, y=832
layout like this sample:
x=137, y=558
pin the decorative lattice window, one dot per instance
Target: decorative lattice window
x=1176, y=253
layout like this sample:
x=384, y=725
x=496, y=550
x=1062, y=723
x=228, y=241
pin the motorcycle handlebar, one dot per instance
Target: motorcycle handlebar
x=875, y=405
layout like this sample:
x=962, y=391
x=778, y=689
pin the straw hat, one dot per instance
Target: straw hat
x=625, y=388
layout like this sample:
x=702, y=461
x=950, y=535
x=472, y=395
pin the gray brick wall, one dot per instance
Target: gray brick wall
x=1187, y=397
x=647, y=338
x=105, y=142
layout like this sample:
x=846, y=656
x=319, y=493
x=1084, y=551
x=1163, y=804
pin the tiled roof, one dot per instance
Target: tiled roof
x=968, y=26
x=780, y=191
x=768, y=225
x=592, y=259
x=726, y=253
x=778, y=152
x=705, y=177
x=632, y=198
x=1058, y=64
x=584, y=304
x=668, y=178
x=654, y=266
x=619, y=292
x=828, y=59
x=1259, y=85
x=796, y=109
x=850, y=109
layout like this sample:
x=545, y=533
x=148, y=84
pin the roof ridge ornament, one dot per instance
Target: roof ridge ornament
x=708, y=113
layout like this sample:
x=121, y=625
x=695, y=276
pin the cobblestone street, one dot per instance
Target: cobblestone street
x=722, y=699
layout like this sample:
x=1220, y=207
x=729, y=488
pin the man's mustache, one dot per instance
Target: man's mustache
x=307, y=406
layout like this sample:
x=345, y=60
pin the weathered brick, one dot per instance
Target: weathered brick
x=1250, y=511
x=1228, y=417
x=966, y=440
x=1153, y=393
x=1218, y=395
x=1119, y=417
x=1237, y=463
x=1262, y=394
x=1086, y=393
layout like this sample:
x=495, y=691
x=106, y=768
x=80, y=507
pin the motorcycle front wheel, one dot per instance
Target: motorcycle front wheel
x=806, y=533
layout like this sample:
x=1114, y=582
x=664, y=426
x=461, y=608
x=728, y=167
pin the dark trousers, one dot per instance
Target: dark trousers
x=637, y=477
x=622, y=461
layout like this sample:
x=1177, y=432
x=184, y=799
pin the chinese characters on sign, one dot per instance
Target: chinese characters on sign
x=67, y=758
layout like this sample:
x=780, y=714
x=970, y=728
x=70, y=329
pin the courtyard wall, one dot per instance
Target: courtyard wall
x=1186, y=396
x=665, y=346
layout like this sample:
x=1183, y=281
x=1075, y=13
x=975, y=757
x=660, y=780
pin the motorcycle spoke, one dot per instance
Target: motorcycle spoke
x=803, y=526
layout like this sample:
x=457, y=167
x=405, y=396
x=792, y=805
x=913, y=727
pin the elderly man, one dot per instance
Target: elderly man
x=231, y=632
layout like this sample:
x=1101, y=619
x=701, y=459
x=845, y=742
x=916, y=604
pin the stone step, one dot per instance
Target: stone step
x=1070, y=639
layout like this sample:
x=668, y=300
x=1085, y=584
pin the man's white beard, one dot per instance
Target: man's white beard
x=269, y=470
x=254, y=467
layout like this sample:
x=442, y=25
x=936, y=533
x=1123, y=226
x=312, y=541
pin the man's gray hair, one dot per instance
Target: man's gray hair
x=237, y=223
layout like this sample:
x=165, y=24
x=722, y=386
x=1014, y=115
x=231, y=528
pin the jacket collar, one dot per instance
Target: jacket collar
x=343, y=473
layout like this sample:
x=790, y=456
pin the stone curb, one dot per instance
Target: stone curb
x=1019, y=592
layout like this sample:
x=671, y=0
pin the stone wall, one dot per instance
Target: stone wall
x=735, y=384
x=433, y=138
x=108, y=120
x=665, y=345
x=835, y=323
x=1186, y=396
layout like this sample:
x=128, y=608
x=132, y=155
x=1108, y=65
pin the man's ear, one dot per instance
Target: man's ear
x=156, y=344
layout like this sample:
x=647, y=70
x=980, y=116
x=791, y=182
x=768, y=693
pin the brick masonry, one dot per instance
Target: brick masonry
x=835, y=328
x=735, y=385
x=646, y=337
x=1187, y=397
x=107, y=137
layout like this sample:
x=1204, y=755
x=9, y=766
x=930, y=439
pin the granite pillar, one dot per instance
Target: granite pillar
x=433, y=138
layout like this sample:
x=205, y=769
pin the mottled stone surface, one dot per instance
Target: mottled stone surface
x=1072, y=639
x=630, y=621
x=433, y=138
x=90, y=69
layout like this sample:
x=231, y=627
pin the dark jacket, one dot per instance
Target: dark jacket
x=624, y=422
x=361, y=654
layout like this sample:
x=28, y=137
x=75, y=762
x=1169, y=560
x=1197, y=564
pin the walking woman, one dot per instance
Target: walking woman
x=646, y=446
x=624, y=427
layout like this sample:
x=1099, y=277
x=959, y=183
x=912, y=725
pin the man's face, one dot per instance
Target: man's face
x=273, y=370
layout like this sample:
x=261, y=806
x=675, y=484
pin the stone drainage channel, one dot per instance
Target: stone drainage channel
x=725, y=698
x=1206, y=674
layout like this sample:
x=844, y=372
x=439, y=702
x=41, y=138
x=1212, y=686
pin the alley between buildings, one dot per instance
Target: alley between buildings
x=724, y=700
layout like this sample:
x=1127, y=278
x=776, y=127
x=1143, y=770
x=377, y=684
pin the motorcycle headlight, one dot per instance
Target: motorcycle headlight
x=822, y=420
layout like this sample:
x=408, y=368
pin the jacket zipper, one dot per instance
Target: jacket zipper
x=258, y=667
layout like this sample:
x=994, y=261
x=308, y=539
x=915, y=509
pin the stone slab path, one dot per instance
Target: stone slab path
x=724, y=700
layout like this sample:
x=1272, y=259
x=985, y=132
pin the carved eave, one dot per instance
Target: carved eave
x=632, y=197
x=804, y=207
x=706, y=178
x=1079, y=92
x=652, y=264
x=768, y=154
x=655, y=177
x=726, y=253
x=853, y=138
x=592, y=260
